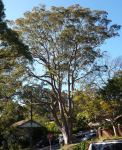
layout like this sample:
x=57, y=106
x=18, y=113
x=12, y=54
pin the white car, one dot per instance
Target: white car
x=106, y=145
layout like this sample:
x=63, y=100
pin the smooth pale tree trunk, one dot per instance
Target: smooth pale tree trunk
x=64, y=124
x=67, y=136
x=99, y=132
x=67, y=133
x=65, y=129
x=114, y=129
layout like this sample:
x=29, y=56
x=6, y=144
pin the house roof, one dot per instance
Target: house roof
x=26, y=124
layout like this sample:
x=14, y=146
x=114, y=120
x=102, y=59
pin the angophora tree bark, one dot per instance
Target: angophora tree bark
x=64, y=44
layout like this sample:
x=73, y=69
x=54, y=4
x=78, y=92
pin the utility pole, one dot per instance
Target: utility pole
x=31, y=119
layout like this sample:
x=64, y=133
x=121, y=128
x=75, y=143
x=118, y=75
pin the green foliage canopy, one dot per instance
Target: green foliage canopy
x=9, y=38
x=113, y=89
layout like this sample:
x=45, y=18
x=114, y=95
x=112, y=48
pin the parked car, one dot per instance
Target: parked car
x=106, y=145
x=80, y=134
x=89, y=136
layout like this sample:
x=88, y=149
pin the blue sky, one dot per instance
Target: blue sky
x=16, y=8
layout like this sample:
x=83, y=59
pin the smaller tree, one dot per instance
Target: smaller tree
x=111, y=112
x=113, y=89
x=97, y=110
x=87, y=105
x=10, y=112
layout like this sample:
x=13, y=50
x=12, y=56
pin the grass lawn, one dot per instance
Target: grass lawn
x=69, y=147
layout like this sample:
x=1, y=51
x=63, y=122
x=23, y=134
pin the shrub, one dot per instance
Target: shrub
x=81, y=146
x=51, y=127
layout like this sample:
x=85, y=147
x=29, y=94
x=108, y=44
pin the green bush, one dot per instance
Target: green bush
x=51, y=126
x=80, y=122
x=81, y=146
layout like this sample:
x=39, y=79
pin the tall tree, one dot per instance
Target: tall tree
x=65, y=45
